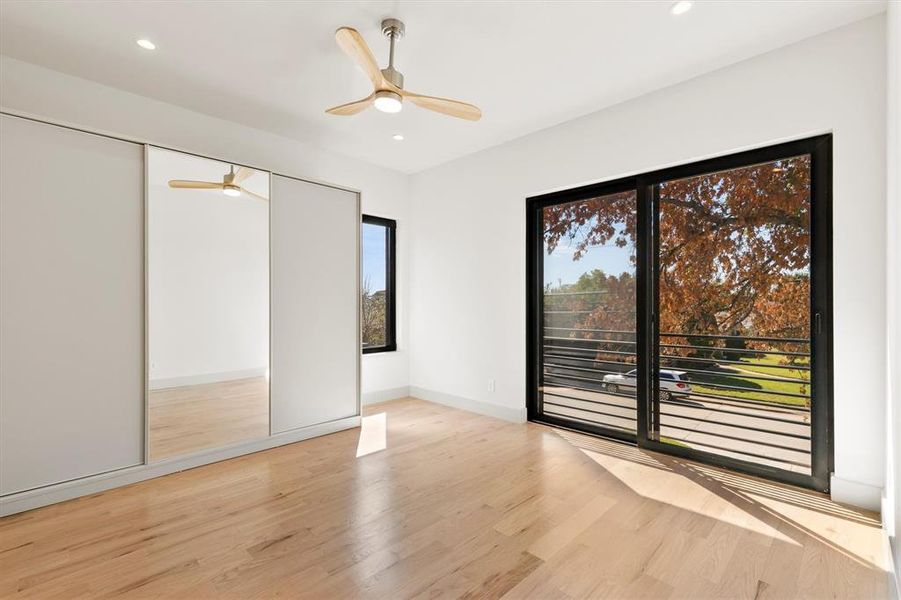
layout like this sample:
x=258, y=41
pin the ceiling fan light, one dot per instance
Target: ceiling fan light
x=231, y=190
x=387, y=101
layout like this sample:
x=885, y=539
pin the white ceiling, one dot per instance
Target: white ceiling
x=528, y=65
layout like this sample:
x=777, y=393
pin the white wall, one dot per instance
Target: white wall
x=891, y=506
x=43, y=93
x=467, y=275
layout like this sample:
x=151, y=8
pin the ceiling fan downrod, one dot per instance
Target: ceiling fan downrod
x=393, y=29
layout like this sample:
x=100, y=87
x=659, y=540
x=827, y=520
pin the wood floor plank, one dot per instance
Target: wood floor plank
x=562, y=536
x=455, y=505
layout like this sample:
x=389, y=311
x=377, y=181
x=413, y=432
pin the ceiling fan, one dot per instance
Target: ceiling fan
x=230, y=186
x=388, y=84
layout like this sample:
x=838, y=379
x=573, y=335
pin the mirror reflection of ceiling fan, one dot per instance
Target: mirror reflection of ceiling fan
x=388, y=91
x=230, y=186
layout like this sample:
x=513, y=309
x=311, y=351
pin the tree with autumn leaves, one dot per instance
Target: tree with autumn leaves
x=373, y=315
x=734, y=255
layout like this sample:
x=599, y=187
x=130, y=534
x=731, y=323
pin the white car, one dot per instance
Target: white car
x=672, y=383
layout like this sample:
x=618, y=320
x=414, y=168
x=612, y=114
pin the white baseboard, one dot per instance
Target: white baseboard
x=515, y=415
x=22, y=501
x=855, y=493
x=171, y=382
x=385, y=395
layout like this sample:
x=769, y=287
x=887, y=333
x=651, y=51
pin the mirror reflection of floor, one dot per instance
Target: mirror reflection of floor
x=196, y=417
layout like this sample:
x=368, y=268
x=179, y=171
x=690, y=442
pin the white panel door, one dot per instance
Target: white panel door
x=315, y=237
x=71, y=304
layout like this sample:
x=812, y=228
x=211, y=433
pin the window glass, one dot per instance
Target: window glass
x=588, y=350
x=377, y=277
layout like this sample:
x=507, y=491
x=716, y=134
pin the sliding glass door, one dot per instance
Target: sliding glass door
x=732, y=370
x=688, y=310
x=587, y=376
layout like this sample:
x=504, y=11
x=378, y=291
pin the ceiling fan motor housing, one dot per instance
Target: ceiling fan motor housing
x=394, y=76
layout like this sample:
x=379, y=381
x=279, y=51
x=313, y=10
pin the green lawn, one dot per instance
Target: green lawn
x=760, y=364
x=756, y=389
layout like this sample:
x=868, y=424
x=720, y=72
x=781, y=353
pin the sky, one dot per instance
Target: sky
x=374, y=256
x=559, y=266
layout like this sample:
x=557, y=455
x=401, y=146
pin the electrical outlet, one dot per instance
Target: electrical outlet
x=490, y=385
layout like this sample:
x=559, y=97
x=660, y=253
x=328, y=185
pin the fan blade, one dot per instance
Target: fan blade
x=355, y=47
x=352, y=108
x=241, y=174
x=454, y=108
x=252, y=195
x=194, y=185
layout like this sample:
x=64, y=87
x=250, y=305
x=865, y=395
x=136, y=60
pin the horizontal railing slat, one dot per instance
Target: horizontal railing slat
x=733, y=425
x=737, y=439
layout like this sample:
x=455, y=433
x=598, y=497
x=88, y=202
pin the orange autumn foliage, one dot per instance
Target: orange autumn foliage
x=734, y=252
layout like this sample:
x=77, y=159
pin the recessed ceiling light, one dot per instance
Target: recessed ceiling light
x=146, y=44
x=397, y=137
x=681, y=7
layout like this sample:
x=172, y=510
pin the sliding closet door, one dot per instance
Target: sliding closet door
x=71, y=304
x=315, y=233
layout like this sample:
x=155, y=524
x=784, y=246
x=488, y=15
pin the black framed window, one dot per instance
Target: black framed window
x=377, y=282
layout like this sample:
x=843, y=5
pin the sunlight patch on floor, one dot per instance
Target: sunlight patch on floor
x=373, y=434
x=683, y=493
x=856, y=540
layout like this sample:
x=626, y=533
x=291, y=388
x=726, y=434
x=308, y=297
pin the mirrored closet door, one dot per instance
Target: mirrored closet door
x=207, y=304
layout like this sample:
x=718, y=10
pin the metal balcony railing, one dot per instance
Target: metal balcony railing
x=749, y=401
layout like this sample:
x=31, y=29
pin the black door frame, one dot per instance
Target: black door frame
x=647, y=243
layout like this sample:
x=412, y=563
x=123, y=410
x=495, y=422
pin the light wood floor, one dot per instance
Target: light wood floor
x=211, y=415
x=430, y=502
